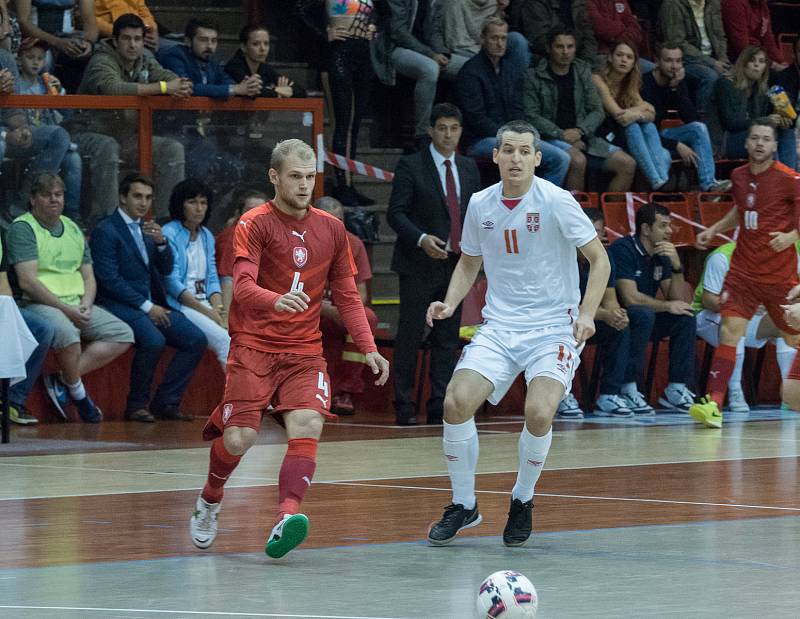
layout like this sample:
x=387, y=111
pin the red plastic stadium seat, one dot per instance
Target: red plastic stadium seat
x=615, y=212
x=671, y=123
x=712, y=208
x=683, y=233
x=786, y=43
x=582, y=198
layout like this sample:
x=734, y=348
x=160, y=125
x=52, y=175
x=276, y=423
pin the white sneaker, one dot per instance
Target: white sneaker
x=609, y=405
x=636, y=402
x=737, y=402
x=679, y=398
x=203, y=524
x=569, y=408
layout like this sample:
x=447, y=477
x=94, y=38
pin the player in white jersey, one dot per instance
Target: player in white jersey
x=524, y=230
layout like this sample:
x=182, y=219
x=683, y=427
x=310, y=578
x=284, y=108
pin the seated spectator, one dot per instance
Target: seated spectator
x=748, y=23
x=44, y=333
x=612, y=337
x=487, y=90
x=696, y=26
x=243, y=200
x=251, y=59
x=121, y=67
x=647, y=263
x=540, y=17
x=193, y=285
x=54, y=270
x=613, y=21
x=10, y=32
x=629, y=120
x=760, y=329
x=133, y=256
x=789, y=78
x=107, y=11
x=195, y=61
x=52, y=22
x=561, y=101
x=665, y=89
x=347, y=376
x=735, y=102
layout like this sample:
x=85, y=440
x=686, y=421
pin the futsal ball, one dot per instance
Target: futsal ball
x=507, y=595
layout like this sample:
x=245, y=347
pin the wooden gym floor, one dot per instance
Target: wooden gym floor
x=641, y=518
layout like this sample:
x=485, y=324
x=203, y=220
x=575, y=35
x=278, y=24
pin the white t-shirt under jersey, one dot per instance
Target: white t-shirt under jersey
x=528, y=255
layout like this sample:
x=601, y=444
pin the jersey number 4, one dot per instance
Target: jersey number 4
x=751, y=220
x=322, y=385
x=511, y=241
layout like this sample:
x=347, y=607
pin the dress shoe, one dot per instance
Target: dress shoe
x=140, y=414
x=406, y=421
x=171, y=412
x=342, y=404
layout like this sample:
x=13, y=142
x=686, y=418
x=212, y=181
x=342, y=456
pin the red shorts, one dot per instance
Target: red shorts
x=256, y=379
x=742, y=297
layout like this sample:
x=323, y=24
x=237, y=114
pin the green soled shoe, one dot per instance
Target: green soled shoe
x=706, y=412
x=287, y=535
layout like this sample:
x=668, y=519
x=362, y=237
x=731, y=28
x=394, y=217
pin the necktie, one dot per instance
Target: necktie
x=136, y=231
x=451, y=197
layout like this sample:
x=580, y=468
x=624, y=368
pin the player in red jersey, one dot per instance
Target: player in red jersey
x=286, y=254
x=764, y=266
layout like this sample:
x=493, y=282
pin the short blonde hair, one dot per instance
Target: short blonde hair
x=283, y=150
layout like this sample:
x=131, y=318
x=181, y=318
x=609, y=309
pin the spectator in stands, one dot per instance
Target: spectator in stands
x=53, y=22
x=646, y=263
x=44, y=333
x=760, y=329
x=10, y=32
x=54, y=270
x=488, y=93
x=696, y=26
x=738, y=100
x=561, y=101
x=428, y=219
x=195, y=61
x=540, y=17
x=348, y=366
x=121, y=67
x=107, y=11
x=613, y=21
x=133, y=256
x=629, y=121
x=243, y=200
x=665, y=89
x=789, y=78
x=193, y=285
x=251, y=59
x=748, y=23
x=612, y=337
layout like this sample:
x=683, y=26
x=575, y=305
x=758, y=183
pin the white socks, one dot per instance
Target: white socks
x=461, y=450
x=735, y=381
x=532, y=454
x=785, y=355
x=76, y=391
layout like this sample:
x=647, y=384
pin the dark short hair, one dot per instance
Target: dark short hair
x=243, y=194
x=244, y=33
x=129, y=20
x=647, y=214
x=764, y=121
x=194, y=24
x=594, y=214
x=186, y=190
x=519, y=126
x=560, y=30
x=45, y=181
x=666, y=45
x=445, y=110
x=134, y=177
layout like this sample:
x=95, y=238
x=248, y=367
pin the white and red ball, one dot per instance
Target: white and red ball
x=507, y=595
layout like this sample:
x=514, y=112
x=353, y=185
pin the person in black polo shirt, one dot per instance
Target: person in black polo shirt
x=646, y=263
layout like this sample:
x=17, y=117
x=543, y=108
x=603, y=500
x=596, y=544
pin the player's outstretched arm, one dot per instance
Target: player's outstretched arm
x=599, y=271
x=728, y=222
x=460, y=282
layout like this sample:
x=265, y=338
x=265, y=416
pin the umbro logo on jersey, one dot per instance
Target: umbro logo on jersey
x=300, y=256
x=300, y=236
x=488, y=225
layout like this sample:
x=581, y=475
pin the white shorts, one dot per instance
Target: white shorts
x=708, y=328
x=499, y=356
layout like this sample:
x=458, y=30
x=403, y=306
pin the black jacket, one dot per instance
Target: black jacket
x=664, y=98
x=238, y=69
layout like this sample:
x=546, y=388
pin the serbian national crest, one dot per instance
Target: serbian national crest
x=533, y=222
x=300, y=256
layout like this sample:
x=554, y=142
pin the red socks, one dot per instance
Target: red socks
x=721, y=369
x=220, y=467
x=296, y=474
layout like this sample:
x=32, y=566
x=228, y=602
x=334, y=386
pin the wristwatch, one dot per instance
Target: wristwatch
x=678, y=271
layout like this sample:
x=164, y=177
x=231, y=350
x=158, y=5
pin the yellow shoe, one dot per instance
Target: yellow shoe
x=706, y=412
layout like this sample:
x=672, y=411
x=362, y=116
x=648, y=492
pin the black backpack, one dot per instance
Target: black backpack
x=363, y=223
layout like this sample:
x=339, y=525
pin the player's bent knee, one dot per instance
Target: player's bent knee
x=238, y=440
x=304, y=423
x=791, y=393
x=458, y=406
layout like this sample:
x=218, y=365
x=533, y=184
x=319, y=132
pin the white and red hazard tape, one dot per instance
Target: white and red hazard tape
x=364, y=169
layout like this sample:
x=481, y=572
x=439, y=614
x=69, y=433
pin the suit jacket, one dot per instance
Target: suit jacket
x=418, y=206
x=124, y=281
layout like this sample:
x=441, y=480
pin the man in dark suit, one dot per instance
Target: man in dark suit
x=430, y=193
x=131, y=258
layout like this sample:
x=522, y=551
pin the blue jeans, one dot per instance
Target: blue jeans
x=733, y=146
x=554, y=166
x=644, y=145
x=647, y=325
x=695, y=136
x=425, y=72
x=44, y=333
x=701, y=78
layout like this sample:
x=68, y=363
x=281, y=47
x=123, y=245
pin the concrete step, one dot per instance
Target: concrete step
x=380, y=254
x=385, y=285
x=388, y=315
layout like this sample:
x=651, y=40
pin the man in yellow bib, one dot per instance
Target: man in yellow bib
x=54, y=270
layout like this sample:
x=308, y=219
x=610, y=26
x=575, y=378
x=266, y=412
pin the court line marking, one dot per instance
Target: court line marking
x=188, y=612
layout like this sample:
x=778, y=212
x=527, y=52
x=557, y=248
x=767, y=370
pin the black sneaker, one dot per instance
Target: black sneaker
x=454, y=519
x=88, y=410
x=519, y=525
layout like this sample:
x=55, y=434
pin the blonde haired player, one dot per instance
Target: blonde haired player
x=286, y=254
x=524, y=230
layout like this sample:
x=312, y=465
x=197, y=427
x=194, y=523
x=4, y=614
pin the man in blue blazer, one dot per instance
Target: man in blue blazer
x=131, y=257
